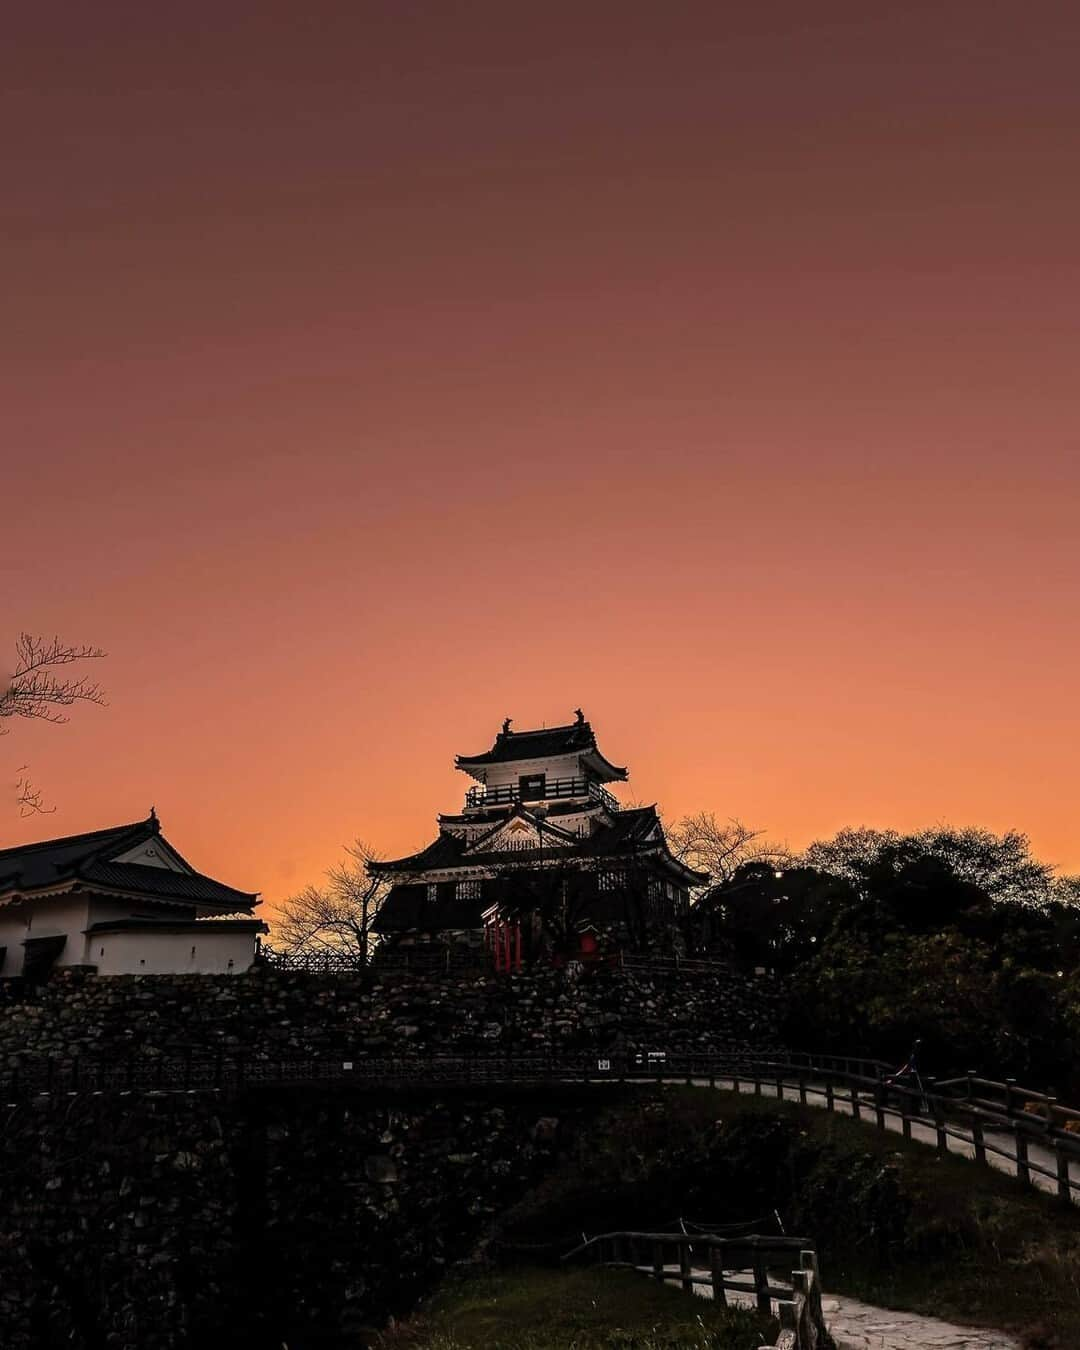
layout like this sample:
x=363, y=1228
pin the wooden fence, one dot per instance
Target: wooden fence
x=723, y=1264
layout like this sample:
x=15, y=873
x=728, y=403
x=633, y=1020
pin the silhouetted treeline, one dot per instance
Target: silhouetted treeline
x=959, y=937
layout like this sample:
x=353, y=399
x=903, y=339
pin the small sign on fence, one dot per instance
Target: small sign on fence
x=603, y=1065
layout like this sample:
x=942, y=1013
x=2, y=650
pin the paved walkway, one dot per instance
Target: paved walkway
x=861, y=1326
x=858, y=1326
x=999, y=1139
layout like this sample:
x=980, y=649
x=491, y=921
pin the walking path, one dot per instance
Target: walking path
x=861, y=1326
x=925, y=1134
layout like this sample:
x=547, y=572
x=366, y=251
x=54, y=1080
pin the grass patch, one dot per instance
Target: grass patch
x=584, y=1309
x=896, y=1223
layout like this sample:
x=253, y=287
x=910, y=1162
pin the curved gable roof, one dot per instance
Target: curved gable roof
x=29, y=866
x=91, y=858
x=546, y=743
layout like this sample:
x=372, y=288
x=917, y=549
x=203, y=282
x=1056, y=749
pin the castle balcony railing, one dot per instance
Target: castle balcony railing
x=555, y=789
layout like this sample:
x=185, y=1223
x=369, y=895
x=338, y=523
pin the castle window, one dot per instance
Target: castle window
x=432, y=892
x=611, y=881
x=468, y=890
x=532, y=786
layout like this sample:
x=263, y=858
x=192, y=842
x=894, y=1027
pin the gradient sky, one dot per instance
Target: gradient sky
x=373, y=371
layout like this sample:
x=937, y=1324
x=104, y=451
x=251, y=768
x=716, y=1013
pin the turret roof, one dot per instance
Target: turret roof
x=90, y=859
x=543, y=743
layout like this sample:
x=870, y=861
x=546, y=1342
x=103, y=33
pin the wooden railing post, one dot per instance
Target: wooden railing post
x=716, y=1271
x=809, y=1262
x=658, y=1260
x=1010, y=1085
x=1064, y=1188
x=1064, y=1184
x=684, y=1267
x=879, y=1101
x=1022, y=1170
x=977, y=1139
x=939, y=1124
x=856, y=1105
x=761, y=1284
x=829, y=1103
x=802, y=1087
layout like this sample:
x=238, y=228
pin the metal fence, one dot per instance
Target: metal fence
x=465, y=961
x=994, y=1118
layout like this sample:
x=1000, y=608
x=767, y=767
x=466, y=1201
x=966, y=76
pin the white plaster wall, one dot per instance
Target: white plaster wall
x=152, y=853
x=47, y=917
x=563, y=766
x=12, y=932
x=145, y=953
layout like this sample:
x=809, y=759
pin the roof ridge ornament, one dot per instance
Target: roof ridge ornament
x=580, y=717
x=506, y=727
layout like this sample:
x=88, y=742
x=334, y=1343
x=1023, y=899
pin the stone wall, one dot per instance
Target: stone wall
x=268, y=1014
x=163, y=1223
x=276, y=1216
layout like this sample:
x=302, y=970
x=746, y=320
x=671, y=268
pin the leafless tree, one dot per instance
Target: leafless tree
x=39, y=689
x=722, y=847
x=337, y=916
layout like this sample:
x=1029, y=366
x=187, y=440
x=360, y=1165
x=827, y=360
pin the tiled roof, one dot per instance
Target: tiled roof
x=88, y=858
x=578, y=737
x=232, y=923
x=628, y=834
x=494, y=814
x=29, y=866
x=164, y=882
x=446, y=851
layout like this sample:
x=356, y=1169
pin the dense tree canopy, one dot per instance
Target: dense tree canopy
x=959, y=937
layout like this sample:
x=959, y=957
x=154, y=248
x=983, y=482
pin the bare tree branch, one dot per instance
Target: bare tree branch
x=722, y=847
x=336, y=917
x=38, y=691
x=28, y=798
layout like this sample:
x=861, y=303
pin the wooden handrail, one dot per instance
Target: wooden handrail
x=799, y=1309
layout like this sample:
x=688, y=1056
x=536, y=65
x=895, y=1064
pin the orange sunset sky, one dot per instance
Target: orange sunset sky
x=374, y=371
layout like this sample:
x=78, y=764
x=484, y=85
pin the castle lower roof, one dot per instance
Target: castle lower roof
x=631, y=833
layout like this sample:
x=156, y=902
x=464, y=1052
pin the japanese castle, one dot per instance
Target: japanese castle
x=540, y=808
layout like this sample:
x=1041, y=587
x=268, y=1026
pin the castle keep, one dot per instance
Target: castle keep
x=541, y=854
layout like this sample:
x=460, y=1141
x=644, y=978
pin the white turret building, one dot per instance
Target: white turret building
x=120, y=901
